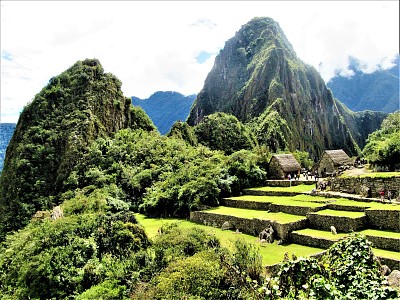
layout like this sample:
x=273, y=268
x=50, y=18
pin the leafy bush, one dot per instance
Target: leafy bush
x=220, y=131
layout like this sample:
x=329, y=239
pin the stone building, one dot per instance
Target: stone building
x=281, y=165
x=332, y=161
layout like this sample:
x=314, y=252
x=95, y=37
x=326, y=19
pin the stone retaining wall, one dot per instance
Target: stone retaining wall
x=342, y=224
x=287, y=183
x=312, y=241
x=384, y=219
x=355, y=185
x=249, y=226
x=294, y=210
x=270, y=193
x=267, y=206
x=346, y=207
x=246, y=204
x=393, y=264
x=391, y=244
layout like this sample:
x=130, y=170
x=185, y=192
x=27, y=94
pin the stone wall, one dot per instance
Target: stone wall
x=356, y=185
x=267, y=206
x=384, y=242
x=246, y=204
x=249, y=226
x=384, y=219
x=312, y=241
x=342, y=224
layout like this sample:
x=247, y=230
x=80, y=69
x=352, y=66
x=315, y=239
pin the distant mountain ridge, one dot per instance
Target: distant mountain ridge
x=378, y=91
x=258, y=78
x=165, y=108
x=6, y=132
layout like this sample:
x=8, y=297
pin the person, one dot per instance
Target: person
x=382, y=194
x=289, y=177
x=389, y=196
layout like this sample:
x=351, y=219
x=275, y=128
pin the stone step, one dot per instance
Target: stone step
x=387, y=257
x=295, y=205
x=383, y=239
x=343, y=221
x=250, y=221
x=315, y=238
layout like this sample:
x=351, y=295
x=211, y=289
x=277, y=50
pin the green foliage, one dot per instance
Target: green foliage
x=383, y=145
x=63, y=257
x=303, y=159
x=53, y=131
x=272, y=130
x=107, y=290
x=183, y=131
x=348, y=270
x=220, y=131
x=195, y=277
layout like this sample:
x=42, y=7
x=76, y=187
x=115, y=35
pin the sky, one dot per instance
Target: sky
x=171, y=45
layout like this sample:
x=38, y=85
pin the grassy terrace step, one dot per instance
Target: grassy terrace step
x=313, y=237
x=271, y=253
x=389, y=258
x=353, y=205
x=344, y=221
x=383, y=239
x=296, y=205
x=250, y=221
x=279, y=190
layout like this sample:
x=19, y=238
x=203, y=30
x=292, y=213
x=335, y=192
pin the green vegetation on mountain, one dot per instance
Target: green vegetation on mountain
x=383, y=145
x=53, y=131
x=163, y=176
x=165, y=108
x=221, y=131
x=360, y=91
x=258, y=78
x=6, y=132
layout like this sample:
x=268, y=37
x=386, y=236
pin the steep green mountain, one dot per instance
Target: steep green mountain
x=377, y=91
x=6, y=132
x=165, y=108
x=53, y=131
x=258, y=78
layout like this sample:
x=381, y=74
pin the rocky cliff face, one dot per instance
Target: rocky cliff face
x=258, y=78
x=76, y=107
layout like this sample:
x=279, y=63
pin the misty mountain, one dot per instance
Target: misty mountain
x=6, y=132
x=165, y=108
x=258, y=78
x=378, y=91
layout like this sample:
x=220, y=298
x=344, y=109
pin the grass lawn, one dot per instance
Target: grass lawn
x=383, y=233
x=372, y=204
x=271, y=253
x=255, y=214
x=298, y=200
x=386, y=253
x=295, y=188
x=340, y=213
x=322, y=234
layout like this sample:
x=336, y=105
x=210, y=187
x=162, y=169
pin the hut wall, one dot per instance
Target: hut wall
x=275, y=169
x=326, y=165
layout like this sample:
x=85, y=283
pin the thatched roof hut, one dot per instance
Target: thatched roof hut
x=331, y=161
x=281, y=165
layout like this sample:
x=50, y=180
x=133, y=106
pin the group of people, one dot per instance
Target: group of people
x=306, y=174
x=389, y=195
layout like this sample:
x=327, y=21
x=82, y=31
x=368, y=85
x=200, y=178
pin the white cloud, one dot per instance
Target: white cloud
x=152, y=46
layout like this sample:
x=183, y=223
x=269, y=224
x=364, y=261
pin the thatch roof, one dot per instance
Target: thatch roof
x=339, y=157
x=287, y=162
